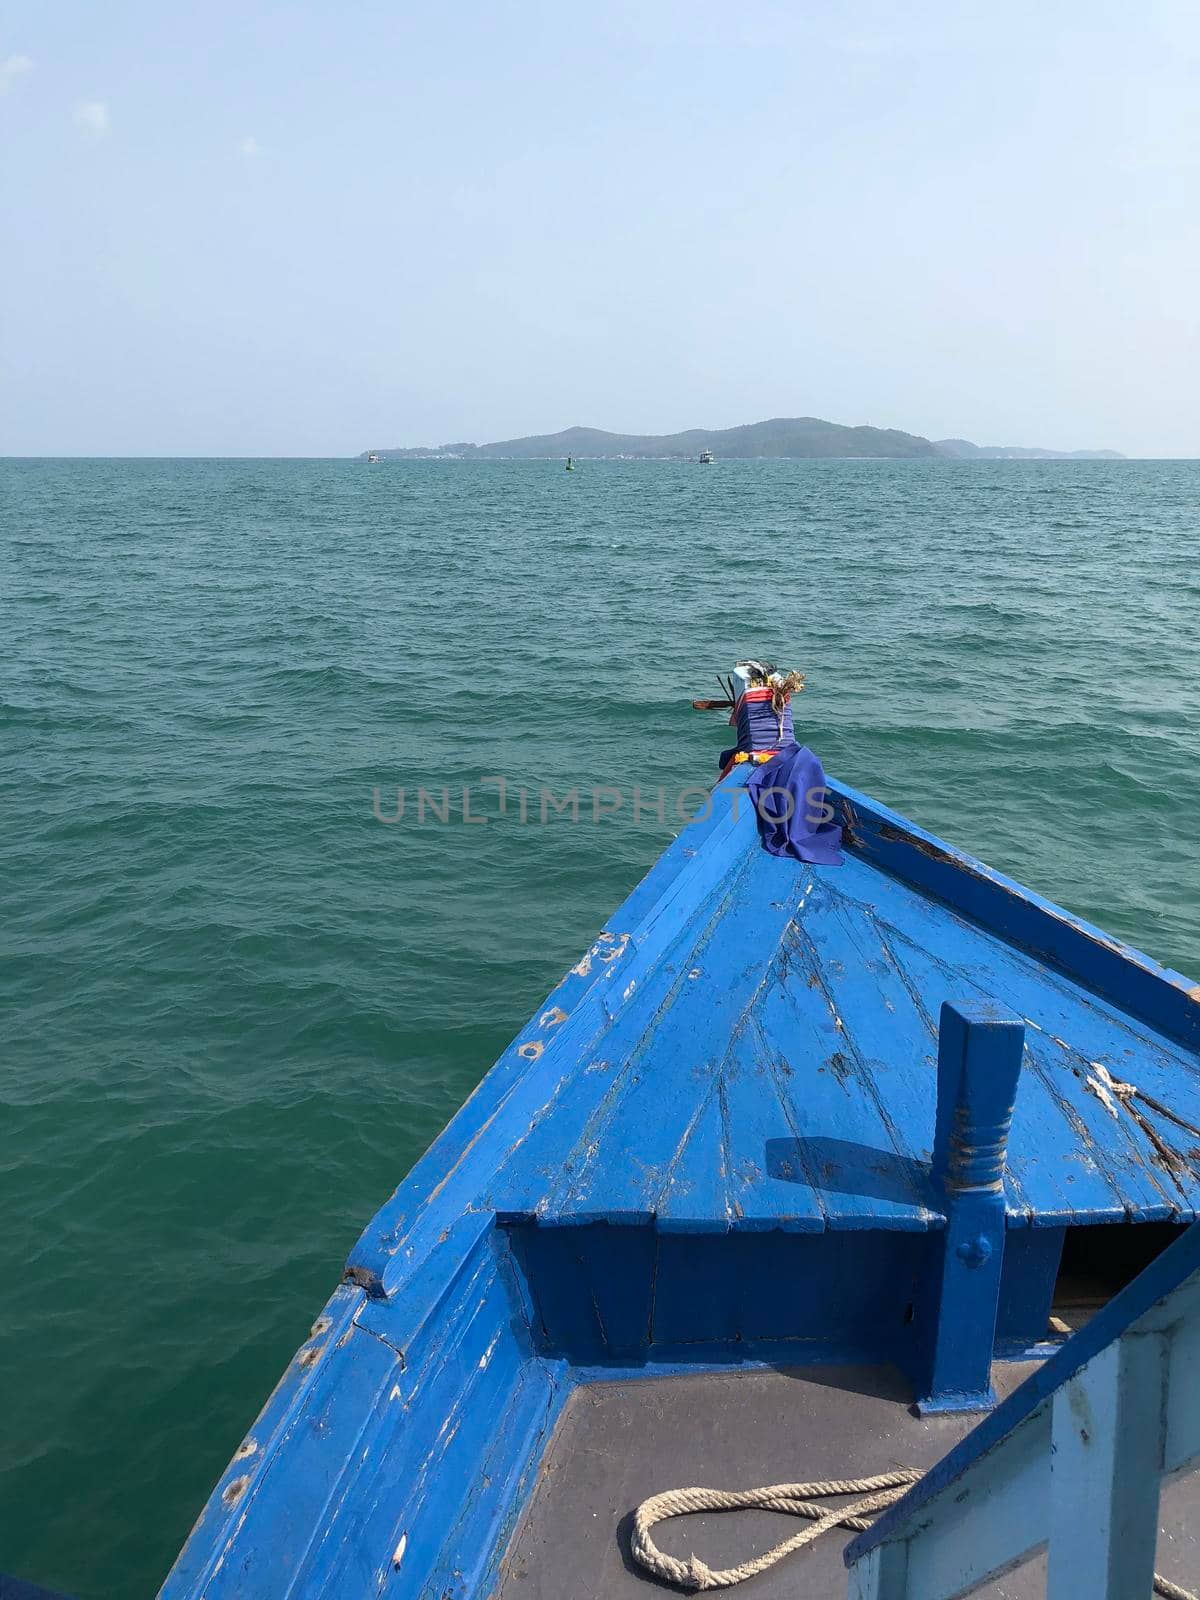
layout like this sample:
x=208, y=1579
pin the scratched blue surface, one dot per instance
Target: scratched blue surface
x=727, y=1104
x=777, y=1066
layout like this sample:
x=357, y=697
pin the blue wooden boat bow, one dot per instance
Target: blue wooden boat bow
x=778, y=1115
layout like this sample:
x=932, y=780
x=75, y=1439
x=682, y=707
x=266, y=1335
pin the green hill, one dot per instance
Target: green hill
x=964, y=450
x=781, y=438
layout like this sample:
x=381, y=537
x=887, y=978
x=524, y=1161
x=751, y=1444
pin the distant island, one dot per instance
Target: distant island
x=782, y=438
x=964, y=450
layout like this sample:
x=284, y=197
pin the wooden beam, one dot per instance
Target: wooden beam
x=1105, y=1460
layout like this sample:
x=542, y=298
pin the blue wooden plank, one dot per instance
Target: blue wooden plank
x=285, y=1509
x=544, y=1159
x=226, y=1506
x=768, y=1182
x=1058, y=1145
x=592, y=1287
x=419, y=1453
x=893, y=1017
x=986, y=967
x=419, y=1498
x=696, y=1192
x=841, y=1139
x=775, y=1294
x=1167, y=1272
x=435, y=1292
x=470, y=1553
x=1165, y=999
x=1088, y=1029
x=888, y=1035
x=628, y=1161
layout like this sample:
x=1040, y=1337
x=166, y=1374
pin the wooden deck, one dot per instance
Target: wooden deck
x=618, y=1443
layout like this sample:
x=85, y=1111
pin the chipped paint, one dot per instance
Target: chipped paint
x=234, y=1491
x=531, y=1050
x=551, y=1018
x=398, y=1552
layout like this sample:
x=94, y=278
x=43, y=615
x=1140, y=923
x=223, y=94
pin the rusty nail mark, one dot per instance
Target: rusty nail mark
x=320, y=1326
x=246, y=1448
x=309, y=1357
x=532, y=1050
x=234, y=1491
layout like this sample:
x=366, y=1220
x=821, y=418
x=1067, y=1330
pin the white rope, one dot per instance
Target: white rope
x=1110, y=1091
x=877, y=1494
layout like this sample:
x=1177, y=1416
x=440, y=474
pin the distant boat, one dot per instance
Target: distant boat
x=706, y=458
x=570, y=463
x=372, y=458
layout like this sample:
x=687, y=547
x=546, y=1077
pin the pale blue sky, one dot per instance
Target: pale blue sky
x=242, y=228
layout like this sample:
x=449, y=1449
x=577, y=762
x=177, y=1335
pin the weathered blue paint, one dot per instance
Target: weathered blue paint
x=979, y=1064
x=1145, y=988
x=712, y=1144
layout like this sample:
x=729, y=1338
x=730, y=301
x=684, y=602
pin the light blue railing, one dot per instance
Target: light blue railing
x=1073, y=1461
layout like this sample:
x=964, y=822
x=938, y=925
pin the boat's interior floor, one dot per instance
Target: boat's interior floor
x=619, y=1442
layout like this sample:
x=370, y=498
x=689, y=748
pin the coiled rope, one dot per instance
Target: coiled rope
x=798, y=1499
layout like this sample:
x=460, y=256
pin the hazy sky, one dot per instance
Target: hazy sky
x=242, y=228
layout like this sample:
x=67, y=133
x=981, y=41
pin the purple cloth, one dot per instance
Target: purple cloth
x=791, y=802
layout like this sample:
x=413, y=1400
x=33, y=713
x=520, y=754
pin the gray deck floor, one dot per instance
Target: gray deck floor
x=617, y=1443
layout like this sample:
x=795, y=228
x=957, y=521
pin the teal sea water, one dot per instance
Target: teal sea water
x=237, y=1006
